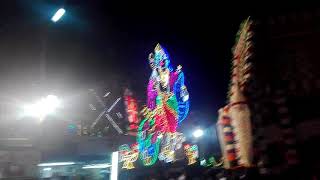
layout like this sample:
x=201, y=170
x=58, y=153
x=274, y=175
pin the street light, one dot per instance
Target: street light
x=57, y=16
x=43, y=107
x=198, y=133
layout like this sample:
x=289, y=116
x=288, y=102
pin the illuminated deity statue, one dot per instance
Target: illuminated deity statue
x=167, y=105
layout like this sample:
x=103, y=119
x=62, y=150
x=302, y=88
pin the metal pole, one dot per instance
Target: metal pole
x=43, y=55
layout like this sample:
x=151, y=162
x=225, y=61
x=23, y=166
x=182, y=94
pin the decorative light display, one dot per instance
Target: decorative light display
x=226, y=135
x=211, y=162
x=167, y=105
x=170, y=143
x=192, y=153
x=132, y=112
x=128, y=155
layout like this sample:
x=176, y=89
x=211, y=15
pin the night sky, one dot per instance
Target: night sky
x=98, y=41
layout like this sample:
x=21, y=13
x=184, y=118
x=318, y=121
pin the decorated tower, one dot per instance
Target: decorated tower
x=234, y=119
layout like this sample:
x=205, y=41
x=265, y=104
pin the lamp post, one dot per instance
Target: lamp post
x=58, y=15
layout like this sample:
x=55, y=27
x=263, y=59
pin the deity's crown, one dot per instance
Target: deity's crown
x=160, y=53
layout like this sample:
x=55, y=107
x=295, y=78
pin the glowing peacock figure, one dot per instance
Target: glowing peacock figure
x=167, y=105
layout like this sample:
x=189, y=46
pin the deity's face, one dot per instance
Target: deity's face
x=159, y=59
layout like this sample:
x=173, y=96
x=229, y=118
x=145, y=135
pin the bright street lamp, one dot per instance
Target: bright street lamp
x=57, y=16
x=43, y=107
x=198, y=133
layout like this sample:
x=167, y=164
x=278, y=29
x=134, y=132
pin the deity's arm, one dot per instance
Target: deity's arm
x=182, y=94
x=151, y=94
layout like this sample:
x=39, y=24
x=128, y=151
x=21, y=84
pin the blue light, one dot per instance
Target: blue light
x=183, y=98
x=151, y=150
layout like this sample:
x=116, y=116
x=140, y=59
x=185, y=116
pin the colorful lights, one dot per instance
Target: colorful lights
x=128, y=155
x=211, y=162
x=192, y=153
x=132, y=112
x=234, y=123
x=170, y=143
x=167, y=105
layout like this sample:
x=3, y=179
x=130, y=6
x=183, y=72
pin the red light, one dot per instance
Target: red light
x=187, y=146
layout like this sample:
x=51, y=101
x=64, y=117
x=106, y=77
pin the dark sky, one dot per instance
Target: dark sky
x=98, y=41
